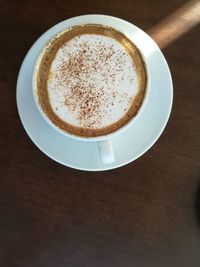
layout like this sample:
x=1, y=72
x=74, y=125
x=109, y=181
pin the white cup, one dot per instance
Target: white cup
x=104, y=142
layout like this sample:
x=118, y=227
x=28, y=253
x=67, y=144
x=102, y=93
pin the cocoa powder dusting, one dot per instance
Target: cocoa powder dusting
x=82, y=97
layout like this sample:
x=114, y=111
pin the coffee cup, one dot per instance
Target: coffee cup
x=82, y=100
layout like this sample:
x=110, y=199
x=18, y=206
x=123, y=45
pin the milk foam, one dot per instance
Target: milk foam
x=92, y=81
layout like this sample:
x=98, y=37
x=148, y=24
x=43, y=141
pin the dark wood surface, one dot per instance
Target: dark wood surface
x=144, y=214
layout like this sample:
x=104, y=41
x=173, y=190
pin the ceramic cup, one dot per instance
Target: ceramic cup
x=104, y=142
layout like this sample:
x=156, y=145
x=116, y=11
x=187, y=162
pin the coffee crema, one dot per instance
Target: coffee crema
x=91, y=80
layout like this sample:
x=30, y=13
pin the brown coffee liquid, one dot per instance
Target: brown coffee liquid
x=83, y=98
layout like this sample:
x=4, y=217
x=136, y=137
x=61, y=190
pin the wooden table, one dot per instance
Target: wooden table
x=144, y=214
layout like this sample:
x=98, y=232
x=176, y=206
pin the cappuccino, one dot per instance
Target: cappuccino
x=91, y=80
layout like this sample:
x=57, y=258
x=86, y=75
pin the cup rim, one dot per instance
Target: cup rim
x=71, y=135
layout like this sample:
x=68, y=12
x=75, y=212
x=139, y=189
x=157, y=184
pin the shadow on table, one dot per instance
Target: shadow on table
x=197, y=204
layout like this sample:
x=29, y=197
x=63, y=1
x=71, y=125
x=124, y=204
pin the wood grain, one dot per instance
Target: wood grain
x=144, y=214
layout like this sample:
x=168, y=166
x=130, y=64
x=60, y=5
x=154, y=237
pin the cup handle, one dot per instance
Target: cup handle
x=106, y=151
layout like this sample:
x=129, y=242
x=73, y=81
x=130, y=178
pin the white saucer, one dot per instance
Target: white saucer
x=128, y=146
